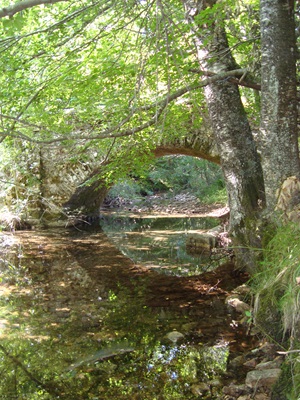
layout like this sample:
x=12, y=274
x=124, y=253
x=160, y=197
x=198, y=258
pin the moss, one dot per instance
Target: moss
x=268, y=317
x=281, y=389
x=267, y=231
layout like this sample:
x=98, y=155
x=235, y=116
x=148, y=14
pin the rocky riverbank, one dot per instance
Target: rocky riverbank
x=261, y=366
x=183, y=204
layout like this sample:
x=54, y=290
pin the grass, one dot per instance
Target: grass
x=277, y=292
x=276, y=282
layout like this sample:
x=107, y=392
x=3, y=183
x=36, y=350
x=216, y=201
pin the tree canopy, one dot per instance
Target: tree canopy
x=94, y=70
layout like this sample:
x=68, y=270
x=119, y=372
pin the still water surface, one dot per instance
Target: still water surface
x=159, y=242
x=81, y=320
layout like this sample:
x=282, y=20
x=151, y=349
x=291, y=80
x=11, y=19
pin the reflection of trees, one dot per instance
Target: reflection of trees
x=57, y=366
x=63, y=338
x=159, y=241
x=161, y=370
x=13, y=383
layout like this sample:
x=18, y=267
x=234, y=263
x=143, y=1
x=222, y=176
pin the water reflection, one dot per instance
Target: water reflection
x=78, y=320
x=159, y=242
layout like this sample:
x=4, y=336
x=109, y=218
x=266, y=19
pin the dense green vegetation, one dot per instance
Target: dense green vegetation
x=173, y=175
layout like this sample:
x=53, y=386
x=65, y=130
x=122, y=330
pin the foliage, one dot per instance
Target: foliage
x=93, y=70
x=278, y=277
x=173, y=175
x=19, y=176
x=186, y=173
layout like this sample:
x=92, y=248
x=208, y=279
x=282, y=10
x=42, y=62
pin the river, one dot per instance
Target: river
x=115, y=312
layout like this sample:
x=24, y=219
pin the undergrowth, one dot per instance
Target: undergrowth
x=175, y=175
x=277, y=291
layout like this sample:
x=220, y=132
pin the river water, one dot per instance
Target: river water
x=118, y=312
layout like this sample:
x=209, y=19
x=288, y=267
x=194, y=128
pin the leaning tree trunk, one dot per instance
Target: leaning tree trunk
x=278, y=136
x=239, y=158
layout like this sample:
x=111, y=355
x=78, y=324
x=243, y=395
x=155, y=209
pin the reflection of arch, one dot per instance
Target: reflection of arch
x=88, y=198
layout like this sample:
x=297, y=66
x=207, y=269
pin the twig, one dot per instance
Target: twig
x=288, y=351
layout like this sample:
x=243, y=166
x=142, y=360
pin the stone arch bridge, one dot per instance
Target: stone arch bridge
x=62, y=185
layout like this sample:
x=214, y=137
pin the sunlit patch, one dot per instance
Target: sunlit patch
x=5, y=291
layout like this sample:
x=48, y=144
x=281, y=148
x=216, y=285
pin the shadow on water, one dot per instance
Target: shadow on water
x=79, y=320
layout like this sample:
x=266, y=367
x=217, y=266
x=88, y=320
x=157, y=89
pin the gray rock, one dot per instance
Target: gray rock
x=174, y=336
x=270, y=364
x=237, y=362
x=239, y=305
x=234, y=390
x=215, y=383
x=262, y=378
x=201, y=243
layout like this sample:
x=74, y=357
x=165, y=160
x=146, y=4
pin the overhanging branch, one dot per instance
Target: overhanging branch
x=10, y=11
x=233, y=79
x=116, y=131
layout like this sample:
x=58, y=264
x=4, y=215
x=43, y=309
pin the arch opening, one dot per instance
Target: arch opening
x=177, y=179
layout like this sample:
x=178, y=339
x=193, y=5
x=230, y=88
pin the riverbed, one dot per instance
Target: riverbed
x=81, y=319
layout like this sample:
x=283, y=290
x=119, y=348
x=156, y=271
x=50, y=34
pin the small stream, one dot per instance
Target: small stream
x=91, y=314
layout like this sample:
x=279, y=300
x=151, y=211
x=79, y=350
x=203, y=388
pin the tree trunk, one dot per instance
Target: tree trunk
x=239, y=158
x=278, y=140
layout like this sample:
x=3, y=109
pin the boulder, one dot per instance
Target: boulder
x=262, y=378
x=239, y=305
x=201, y=243
x=174, y=336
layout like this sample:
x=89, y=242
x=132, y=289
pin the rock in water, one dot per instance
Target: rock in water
x=174, y=336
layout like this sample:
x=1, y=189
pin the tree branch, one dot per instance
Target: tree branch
x=234, y=80
x=10, y=11
x=115, y=131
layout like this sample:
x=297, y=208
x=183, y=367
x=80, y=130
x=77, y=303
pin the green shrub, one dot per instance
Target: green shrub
x=276, y=283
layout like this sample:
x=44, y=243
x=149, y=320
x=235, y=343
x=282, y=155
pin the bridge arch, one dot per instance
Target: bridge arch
x=88, y=198
x=79, y=187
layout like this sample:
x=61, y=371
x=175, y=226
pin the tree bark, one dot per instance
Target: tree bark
x=278, y=140
x=13, y=9
x=239, y=158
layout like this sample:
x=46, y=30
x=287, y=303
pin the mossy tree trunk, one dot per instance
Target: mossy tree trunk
x=278, y=137
x=239, y=158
